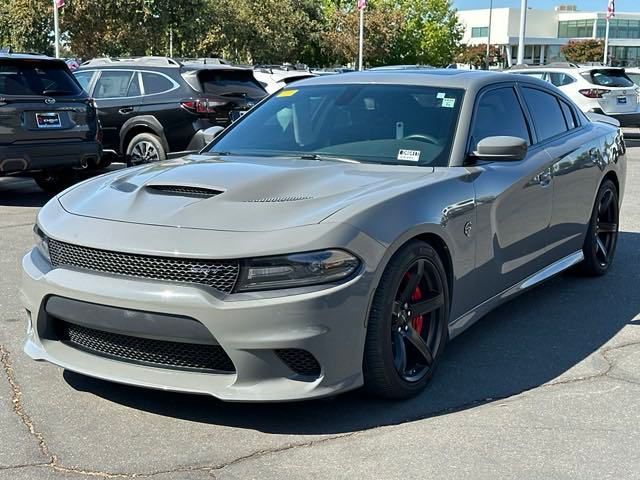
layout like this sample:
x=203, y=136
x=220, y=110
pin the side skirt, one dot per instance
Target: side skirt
x=463, y=322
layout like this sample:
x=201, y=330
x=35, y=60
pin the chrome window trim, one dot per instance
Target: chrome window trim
x=175, y=85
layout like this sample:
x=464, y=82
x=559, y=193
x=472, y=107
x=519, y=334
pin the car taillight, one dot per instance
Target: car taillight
x=202, y=105
x=594, y=92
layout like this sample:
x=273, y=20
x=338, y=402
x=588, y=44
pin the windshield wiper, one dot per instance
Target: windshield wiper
x=329, y=158
x=233, y=94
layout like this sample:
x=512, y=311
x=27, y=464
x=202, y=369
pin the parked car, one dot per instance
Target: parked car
x=338, y=235
x=152, y=106
x=603, y=90
x=275, y=79
x=48, y=124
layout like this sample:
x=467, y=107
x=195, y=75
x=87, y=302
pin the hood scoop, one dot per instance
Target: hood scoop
x=280, y=199
x=183, y=191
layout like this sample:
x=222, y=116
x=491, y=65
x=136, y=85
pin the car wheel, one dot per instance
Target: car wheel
x=54, y=182
x=145, y=148
x=407, y=328
x=602, y=235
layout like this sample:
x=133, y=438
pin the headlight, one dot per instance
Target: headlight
x=42, y=242
x=296, y=270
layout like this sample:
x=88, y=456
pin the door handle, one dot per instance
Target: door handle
x=125, y=110
x=544, y=178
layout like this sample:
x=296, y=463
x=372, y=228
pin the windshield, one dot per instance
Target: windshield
x=396, y=124
x=36, y=78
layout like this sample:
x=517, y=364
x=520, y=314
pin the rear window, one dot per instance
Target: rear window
x=230, y=83
x=608, y=78
x=36, y=78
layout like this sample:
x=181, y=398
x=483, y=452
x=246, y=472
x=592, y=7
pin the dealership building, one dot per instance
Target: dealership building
x=548, y=30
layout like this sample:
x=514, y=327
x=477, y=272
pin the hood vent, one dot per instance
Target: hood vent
x=287, y=198
x=184, y=191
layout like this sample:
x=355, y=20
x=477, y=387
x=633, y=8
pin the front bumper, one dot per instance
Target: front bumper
x=329, y=323
x=48, y=156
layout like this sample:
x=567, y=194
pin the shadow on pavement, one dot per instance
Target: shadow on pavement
x=519, y=346
x=23, y=191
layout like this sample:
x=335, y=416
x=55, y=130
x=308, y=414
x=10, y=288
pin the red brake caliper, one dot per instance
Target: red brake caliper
x=417, y=322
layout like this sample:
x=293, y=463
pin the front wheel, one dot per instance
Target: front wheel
x=408, y=323
x=602, y=235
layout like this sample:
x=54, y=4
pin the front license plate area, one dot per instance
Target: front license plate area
x=48, y=120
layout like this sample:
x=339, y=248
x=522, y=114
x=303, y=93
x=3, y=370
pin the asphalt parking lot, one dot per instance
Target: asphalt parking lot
x=548, y=386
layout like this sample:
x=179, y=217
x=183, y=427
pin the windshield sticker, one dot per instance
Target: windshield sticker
x=287, y=93
x=448, y=102
x=441, y=95
x=409, y=155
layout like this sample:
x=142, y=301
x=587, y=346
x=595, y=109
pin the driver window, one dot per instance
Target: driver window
x=499, y=113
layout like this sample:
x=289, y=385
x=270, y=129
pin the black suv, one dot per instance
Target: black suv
x=152, y=106
x=48, y=124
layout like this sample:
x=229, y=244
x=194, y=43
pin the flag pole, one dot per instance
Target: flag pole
x=361, y=42
x=523, y=28
x=606, y=43
x=56, y=28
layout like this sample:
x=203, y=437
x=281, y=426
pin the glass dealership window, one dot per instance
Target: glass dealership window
x=619, y=28
x=479, y=32
x=575, y=28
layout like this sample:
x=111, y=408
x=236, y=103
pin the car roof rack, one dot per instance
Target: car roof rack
x=205, y=61
x=148, y=60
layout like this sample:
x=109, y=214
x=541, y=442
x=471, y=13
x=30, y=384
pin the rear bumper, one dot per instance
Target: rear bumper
x=48, y=156
x=631, y=119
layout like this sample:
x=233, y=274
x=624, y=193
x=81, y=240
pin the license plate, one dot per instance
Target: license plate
x=622, y=100
x=236, y=114
x=48, y=120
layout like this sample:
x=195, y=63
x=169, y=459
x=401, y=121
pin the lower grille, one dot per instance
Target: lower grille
x=154, y=353
x=300, y=361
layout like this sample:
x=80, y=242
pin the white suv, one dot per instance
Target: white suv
x=604, y=90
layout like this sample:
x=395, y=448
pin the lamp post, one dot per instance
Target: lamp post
x=523, y=27
x=489, y=33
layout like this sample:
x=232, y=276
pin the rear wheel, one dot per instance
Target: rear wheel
x=407, y=328
x=54, y=181
x=145, y=148
x=602, y=235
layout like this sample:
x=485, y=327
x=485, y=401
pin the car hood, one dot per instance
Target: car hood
x=233, y=193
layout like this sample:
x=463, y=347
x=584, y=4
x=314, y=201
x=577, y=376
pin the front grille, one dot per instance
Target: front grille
x=184, y=190
x=300, y=361
x=144, y=351
x=219, y=274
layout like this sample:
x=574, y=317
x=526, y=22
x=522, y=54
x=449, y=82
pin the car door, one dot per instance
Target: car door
x=514, y=198
x=576, y=156
x=117, y=96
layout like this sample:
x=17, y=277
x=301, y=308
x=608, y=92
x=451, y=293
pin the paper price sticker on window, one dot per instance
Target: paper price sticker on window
x=287, y=93
x=409, y=155
x=448, y=102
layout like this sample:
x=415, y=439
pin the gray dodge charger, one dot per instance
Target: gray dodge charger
x=336, y=236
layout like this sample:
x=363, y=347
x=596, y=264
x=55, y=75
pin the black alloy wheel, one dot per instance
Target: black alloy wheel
x=602, y=236
x=408, y=324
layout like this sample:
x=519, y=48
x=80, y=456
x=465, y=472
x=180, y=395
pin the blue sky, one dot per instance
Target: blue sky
x=621, y=5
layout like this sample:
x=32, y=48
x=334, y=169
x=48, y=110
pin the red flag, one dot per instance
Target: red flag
x=611, y=9
x=362, y=4
x=59, y=3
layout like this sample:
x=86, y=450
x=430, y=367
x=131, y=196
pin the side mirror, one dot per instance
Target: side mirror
x=210, y=133
x=501, y=148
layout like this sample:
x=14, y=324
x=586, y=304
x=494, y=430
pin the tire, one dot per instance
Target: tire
x=392, y=326
x=602, y=235
x=104, y=162
x=54, y=182
x=145, y=148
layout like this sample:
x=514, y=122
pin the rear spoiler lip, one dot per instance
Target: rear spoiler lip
x=599, y=118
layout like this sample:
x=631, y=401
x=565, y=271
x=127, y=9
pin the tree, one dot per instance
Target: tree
x=383, y=28
x=475, y=55
x=582, y=51
x=431, y=32
x=27, y=25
